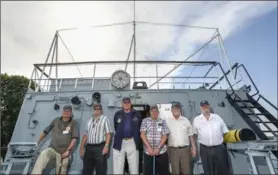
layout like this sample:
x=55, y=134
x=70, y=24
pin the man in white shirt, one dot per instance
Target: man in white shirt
x=178, y=142
x=210, y=129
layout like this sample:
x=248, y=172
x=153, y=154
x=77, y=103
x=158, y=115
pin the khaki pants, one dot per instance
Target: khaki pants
x=179, y=159
x=47, y=155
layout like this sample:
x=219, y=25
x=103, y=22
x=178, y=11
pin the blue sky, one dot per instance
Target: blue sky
x=256, y=48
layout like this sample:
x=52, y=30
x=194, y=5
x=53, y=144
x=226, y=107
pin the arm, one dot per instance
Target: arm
x=191, y=135
x=74, y=136
x=84, y=141
x=115, y=121
x=108, y=131
x=143, y=130
x=46, y=131
x=145, y=140
x=165, y=132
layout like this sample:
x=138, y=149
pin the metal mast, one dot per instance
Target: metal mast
x=134, y=40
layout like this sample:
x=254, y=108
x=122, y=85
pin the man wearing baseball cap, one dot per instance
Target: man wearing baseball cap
x=180, y=137
x=210, y=129
x=64, y=134
x=127, y=123
x=154, y=133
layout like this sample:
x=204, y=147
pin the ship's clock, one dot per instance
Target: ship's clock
x=120, y=79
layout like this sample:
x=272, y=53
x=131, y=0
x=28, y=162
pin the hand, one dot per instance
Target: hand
x=150, y=151
x=65, y=154
x=81, y=152
x=156, y=151
x=194, y=153
x=105, y=150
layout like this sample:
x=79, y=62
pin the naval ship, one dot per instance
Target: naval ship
x=251, y=118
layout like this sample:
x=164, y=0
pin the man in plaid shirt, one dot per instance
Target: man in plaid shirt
x=154, y=133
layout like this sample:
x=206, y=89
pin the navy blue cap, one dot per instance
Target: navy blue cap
x=176, y=104
x=67, y=108
x=204, y=102
x=153, y=107
x=126, y=99
x=97, y=105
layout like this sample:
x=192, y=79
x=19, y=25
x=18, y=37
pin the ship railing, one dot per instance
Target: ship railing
x=75, y=84
x=41, y=80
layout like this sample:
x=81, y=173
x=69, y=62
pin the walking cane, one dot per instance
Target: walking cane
x=153, y=165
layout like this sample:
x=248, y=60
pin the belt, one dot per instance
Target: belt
x=178, y=147
x=97, y=144
x=127, y=138
x=210, y=146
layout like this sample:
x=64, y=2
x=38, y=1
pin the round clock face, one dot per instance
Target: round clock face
x=120, y=79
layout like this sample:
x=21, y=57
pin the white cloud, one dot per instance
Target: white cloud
x=27, y=29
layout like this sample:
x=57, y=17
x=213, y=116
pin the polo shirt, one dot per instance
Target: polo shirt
x=62, y=133
x=128, y=125
x=210, y=132
x=180, y=130
x=97, y=128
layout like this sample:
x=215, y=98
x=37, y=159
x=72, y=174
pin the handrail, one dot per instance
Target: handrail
x=271, y=104
x=224, y=74
x=241, y=65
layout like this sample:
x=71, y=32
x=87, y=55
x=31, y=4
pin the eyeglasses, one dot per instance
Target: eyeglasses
x=126, y=101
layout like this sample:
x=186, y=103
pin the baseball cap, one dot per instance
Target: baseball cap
x=176, y=104
x=153, y=107
x=97, y=105
x=67, y=108
x=126, y=99
x=204, y=102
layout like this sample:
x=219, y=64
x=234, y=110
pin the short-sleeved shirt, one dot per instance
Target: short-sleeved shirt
x=180, y=130
x=210, y=132
x=128, y=125
x=97, y=128
x=62, y=133
x=154, y=129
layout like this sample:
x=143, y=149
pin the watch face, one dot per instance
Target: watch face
x=120, y=79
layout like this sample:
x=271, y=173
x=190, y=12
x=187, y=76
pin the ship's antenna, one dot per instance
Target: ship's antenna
x=134, y=40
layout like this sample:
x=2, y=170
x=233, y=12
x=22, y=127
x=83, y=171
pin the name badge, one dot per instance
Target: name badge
x=65, y=132
x=159, y=129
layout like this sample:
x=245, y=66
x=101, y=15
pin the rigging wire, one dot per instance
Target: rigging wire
x=70, y=54
x=175, y=25
x=205, y=49
x=96, y=26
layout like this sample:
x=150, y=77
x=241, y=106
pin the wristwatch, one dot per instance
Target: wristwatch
x=69, y=150
x=106, y=146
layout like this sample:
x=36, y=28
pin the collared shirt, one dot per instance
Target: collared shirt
x=210, y=132
x=97, y=129
x=154, y=129
x=127, y=125
x=180, y=129
x=62, y=133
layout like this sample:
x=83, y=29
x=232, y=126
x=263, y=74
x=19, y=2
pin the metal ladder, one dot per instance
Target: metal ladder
x=252, y=118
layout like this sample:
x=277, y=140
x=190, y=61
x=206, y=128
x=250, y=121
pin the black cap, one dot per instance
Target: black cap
x=126, y=99
x=97, y=105
x=204, y=102
x=176, y=104
x=153, y=107
x=67, y=108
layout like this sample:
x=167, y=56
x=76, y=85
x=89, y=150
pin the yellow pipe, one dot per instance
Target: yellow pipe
x=238, y=135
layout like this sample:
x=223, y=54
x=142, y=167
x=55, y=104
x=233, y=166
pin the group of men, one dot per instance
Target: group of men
x=168, y=143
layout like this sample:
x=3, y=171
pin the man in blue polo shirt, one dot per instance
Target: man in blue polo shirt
x=127, y=137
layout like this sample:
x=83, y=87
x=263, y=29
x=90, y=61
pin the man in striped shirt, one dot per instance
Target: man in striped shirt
x=97, y=138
